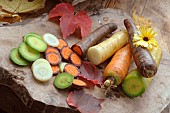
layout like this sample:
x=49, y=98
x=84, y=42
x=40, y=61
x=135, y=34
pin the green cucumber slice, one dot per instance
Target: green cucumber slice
x=134, y=85
x=51, y=40
x=27, y=52
x=32, y=34
x=63, y=80
x=17, y=59
x=36, y=43
x=38, y=61
x=42, y=72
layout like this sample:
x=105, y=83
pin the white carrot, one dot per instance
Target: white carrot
x=101, y=52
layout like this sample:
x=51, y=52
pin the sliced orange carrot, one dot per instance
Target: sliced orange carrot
x=69, y=68
x=75, y=59
x=66, y=52
x=62, y=43
x=51, y=49
x=55, y=69
x=53, y=58
x=77, y=49
x=79, y=83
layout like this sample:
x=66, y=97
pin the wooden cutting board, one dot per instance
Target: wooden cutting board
x=21, y=93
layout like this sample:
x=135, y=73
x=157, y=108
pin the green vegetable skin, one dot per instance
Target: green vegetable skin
x=135, y=84
x=31, y=34
x=17, y=59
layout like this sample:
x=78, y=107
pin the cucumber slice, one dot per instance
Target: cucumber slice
x=27, y=52
x=134, y=85
x=17, y=59
x=42, y=72
x=51, y=40
x=36, y=43
x=38, y=61
x=61, y=66
x=63, y=80
x=31, y=34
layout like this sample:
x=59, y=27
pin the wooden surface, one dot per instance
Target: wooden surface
x=26, y=95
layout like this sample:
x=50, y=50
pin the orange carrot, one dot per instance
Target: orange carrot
x=75, y=59
x=66, y=52
x=51, y=49
x=62, y=43
x=83, y=45
x=69, y=68
x=53, y=58
x=79, y=83
x=118, y=67
x=55, y=69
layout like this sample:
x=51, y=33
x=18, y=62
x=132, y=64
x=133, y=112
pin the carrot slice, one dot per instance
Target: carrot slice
x=77, y=49
x=66, y=52
x=69, y=68
x=79, y=83
x=75, y=59
x=51, y=50
x=62, y=43
x=53, y=58
x=55, y=69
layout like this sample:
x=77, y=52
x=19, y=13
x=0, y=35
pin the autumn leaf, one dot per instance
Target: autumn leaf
x=140, y=20
x=9, y=18
x=70, y=22
x=85, y=103
x=21, y=6
x=91, y=73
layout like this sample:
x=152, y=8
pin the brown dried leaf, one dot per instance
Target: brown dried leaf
x=9, y=18
x=140, y=20
x=21, y=6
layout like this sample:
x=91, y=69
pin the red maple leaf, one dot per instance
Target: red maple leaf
x=85, y=103
x=70, y=22
x=91, y=73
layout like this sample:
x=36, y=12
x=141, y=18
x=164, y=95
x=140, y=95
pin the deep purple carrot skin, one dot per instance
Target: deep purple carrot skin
x=84, y=44
x=143, y=59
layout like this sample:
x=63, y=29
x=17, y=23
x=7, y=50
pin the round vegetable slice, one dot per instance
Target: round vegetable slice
x=42, y=72
x=63, y=80
x=62, y=43
x=31, y=34
x=17, y=59
x=133, y=85
x=55, y=69
x=69, y=68
x=51, y=40
x=51, y=50
x=38, y=61
x=75, y=59
x=53, y=58
x=66, y=52
x=62, y=65
x=36, y=43
x=79, y=83
x=27, y=52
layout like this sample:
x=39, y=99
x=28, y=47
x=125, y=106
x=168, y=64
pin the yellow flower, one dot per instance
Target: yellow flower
x=145, y=38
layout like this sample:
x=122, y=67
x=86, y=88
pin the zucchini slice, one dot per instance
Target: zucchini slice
x=63, y=80
x=27, y=52
x=17, y=59
x=36, y=43
x=134, y=85
x=32, y=34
